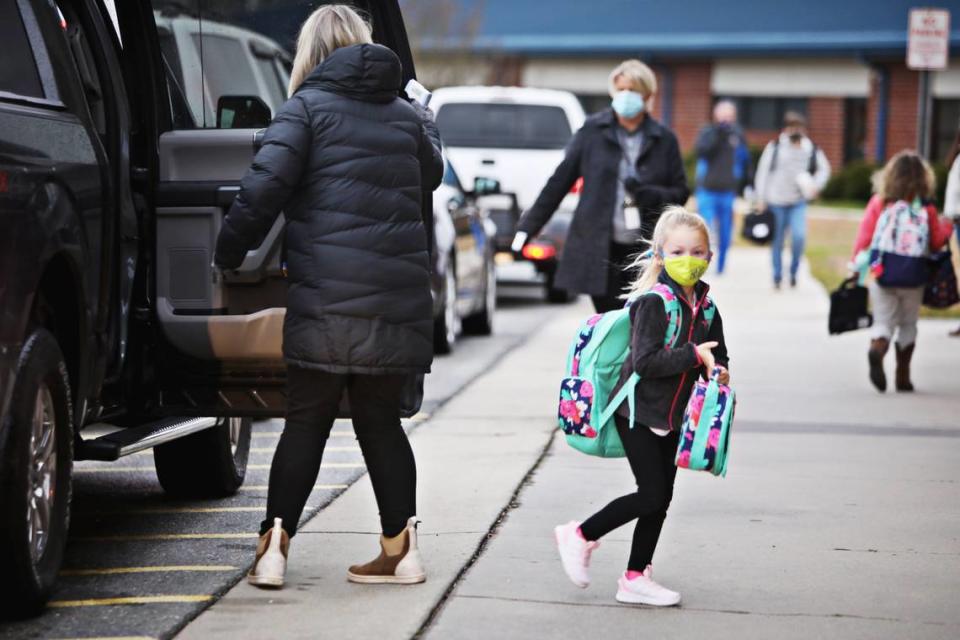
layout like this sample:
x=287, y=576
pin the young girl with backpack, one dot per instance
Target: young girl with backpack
x=679, y=256
x=899, y=230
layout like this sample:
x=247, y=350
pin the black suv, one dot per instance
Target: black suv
x=125, y=128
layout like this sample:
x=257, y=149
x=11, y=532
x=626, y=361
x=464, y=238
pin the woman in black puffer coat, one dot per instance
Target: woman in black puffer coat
x=346, y=160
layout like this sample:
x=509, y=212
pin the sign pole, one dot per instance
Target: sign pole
x=928, y=48
x=924, y=115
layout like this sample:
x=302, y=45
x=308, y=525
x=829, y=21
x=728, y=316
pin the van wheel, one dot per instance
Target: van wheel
x=35, y=476
x=554, y=295
x=481, y=322
x=208, y=464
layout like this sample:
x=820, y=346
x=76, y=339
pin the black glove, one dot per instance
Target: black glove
x=645, y=196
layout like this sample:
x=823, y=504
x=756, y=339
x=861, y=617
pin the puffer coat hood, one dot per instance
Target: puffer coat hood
x=347, y=160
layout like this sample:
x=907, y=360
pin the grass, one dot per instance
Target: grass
x=829, y=244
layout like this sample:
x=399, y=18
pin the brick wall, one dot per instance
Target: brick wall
x=904, y=92
x=692, y=100
x=825, y=126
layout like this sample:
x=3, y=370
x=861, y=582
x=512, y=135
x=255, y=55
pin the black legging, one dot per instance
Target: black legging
x=651, y=460
x=619, y=277
x=313, y=399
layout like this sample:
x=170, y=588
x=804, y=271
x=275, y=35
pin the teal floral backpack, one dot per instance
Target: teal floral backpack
x=587, y=398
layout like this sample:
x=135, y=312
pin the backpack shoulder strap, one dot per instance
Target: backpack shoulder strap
x=709, y=311
x=776, y=152
x=672, y=307
x=812, y=164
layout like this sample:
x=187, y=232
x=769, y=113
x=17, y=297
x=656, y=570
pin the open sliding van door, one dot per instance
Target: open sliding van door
x=219, y=337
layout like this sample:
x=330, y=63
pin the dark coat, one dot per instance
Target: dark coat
x=345, y=159
x=595, y=153
x=667, y=375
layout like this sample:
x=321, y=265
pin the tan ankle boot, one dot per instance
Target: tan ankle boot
x=878, y=349
x=270, y=564
x=405, y=567
x=904, y=355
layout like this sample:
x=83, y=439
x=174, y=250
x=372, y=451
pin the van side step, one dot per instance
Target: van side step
x=126, y=441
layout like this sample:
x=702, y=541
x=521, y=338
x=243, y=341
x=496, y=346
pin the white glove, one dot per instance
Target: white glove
x=518, y=241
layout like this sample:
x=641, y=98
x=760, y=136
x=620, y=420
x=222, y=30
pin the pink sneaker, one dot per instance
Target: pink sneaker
x=574, y=552
x=643, y=590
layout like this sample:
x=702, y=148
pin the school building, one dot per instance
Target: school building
x=842, y=63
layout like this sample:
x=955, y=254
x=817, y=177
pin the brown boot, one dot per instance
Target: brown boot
x=878, y=349
x=270, y=564
x=403, y=567
x=904, y=354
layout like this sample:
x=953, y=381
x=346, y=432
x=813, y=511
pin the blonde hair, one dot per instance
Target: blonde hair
x=650, y=263
x=905, y=177
x=327, y=29
x=641, y=77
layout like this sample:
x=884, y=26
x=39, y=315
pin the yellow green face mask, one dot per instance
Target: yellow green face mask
x=685, y=270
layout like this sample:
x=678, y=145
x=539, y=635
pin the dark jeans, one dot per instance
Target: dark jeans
x=619, y=277
x=651, y=460
x=313, y=399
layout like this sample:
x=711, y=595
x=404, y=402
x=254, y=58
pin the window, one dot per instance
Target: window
x=273, y=80
x=854, y=128
x=504, y=126
x=765, y=113
x=946, y=124
x=18, y=73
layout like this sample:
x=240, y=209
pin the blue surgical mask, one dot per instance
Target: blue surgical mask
x=628, y=104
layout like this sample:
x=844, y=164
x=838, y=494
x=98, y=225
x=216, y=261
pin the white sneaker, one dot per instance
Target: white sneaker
x=643, y=590
x=271, y=563
x=574, y=552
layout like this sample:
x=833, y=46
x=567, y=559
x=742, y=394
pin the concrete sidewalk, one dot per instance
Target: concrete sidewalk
x=838, y=518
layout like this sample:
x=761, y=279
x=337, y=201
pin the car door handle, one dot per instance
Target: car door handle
x=226, y=195
x=488, y=161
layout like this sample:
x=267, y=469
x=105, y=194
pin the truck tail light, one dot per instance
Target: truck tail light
x=577, y=186
x=536, y=252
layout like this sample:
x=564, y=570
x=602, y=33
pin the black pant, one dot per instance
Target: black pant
x=619, y=276
x=313, y=399
x=651, y=460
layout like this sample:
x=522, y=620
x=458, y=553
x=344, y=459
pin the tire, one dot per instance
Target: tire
x=35, y=477
x=554, y=295
x=481, y=322
x=209, y=464
x=447, y=327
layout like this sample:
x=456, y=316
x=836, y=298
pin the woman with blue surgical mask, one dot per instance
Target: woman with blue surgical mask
x=631, y=169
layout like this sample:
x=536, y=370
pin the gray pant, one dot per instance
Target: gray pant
x=896, y=310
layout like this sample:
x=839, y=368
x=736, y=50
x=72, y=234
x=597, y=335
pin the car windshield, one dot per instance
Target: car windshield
x=510, y=126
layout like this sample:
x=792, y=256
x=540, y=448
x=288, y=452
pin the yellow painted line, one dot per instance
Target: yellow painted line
x=168, y=510
x=104, y=602
x=255, y=467
x=111, y=571
x=169, y=536
x=263, y=487
x=275, y=435
x=111, y=638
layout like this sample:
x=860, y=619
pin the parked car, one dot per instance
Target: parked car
x=515, y=135
x=113, y=186
x=464, y=275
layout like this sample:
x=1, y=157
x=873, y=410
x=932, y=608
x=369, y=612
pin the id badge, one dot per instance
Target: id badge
x=631, y=217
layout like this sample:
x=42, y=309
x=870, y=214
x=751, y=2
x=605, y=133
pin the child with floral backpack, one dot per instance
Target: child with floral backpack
x=899, y=230
x=679, y=256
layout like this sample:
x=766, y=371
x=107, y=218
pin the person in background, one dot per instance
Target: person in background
x=906, y=178
x=951, y=198
x=791, y=172
x=631, y=169
x=723, y=168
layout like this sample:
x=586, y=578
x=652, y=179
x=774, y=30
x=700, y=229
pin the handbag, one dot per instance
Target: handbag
x=849, y=307
x=941, y=289
x=758, y=227
x=705, y=433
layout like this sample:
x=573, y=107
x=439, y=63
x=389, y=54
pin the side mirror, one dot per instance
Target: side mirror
x=242, y=112
x=486, y=187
